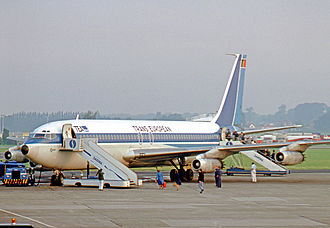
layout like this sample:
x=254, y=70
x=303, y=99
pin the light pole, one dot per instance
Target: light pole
x=2, y=123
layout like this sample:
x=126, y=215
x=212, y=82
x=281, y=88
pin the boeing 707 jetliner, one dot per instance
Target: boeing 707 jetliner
x=186, y=145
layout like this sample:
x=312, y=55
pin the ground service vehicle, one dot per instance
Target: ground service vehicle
x=15, y=174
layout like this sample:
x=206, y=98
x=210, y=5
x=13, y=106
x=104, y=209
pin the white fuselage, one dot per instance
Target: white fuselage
x=117, y=137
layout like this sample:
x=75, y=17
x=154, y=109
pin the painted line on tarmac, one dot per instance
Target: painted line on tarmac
x=33, y=220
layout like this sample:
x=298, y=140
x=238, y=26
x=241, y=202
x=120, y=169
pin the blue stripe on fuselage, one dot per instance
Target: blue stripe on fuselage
x=135, y=138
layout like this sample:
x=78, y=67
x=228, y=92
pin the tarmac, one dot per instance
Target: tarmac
x=296, y=200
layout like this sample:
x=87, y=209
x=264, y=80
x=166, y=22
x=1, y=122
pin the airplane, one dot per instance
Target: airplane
x=186, y=145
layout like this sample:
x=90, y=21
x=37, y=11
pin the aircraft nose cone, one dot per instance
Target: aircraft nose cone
x=25, y=149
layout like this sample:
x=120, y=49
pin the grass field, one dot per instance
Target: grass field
x=315, y=158
x=4, y=148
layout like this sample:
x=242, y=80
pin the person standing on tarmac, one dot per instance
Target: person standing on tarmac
x=217, y=176
x=100, y=173
x=176, y=180
x=160, y=179
x=254, y=173
x=201, y=180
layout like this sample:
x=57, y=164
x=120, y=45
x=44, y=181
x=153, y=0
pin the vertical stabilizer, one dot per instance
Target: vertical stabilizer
x=230, y=111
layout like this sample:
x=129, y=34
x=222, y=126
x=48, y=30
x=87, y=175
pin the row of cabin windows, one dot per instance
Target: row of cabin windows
x=153, y=137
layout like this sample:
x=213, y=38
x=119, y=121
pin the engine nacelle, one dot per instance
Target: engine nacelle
x=206, y=164
x=15, y=156
x=289, y=157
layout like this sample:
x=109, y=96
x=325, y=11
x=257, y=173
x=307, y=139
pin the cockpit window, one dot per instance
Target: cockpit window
x=39, y=135
x=44, y=136
x=51, y=136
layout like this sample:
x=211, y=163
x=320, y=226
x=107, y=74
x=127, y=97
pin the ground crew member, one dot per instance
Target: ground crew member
x=217, y=176
x=100, y=173
x=254, y=173
x=201, y=180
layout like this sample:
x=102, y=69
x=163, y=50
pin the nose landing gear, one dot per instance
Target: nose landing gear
x=57, y=179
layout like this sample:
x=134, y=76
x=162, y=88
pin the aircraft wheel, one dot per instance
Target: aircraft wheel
x=60, y=179
x=182, y=173
x=172, y=175
x=57, y=180
x=189, y=174
x=53, y=180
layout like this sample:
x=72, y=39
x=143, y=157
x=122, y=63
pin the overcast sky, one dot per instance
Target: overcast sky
x=168, y=56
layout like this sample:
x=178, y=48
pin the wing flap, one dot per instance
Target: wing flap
x=163, y=154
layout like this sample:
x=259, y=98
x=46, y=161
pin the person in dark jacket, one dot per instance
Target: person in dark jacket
x=177, y=180
x=100, y=173
x=201, y=180
x=217, y=176
x=228, y=135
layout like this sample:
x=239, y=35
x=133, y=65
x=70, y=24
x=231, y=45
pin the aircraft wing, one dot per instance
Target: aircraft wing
x=164, y=154
x=255, y=131
x=220, y=152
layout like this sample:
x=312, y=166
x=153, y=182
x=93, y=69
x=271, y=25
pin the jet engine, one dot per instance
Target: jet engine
x=289, y=157
x=206, y=164
x=15, y=156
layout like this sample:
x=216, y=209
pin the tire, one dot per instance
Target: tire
x=31, y=181
x=172, y=175
x=56, y=180
x=60, y=180
x=189, y=174
x=182, y=173
x=53, y=180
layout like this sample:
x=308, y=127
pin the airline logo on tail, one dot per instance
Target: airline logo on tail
x=243, y=62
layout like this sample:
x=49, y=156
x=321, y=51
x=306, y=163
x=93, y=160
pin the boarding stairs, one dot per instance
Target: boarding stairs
x=115, y=172
x=264, y=161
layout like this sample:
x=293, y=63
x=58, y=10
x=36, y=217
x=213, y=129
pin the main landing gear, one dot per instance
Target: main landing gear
x=185, y=175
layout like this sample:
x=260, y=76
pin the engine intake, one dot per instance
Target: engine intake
x=289, y=157
x=25, y=149
x=15, y=156
x=207, y=165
